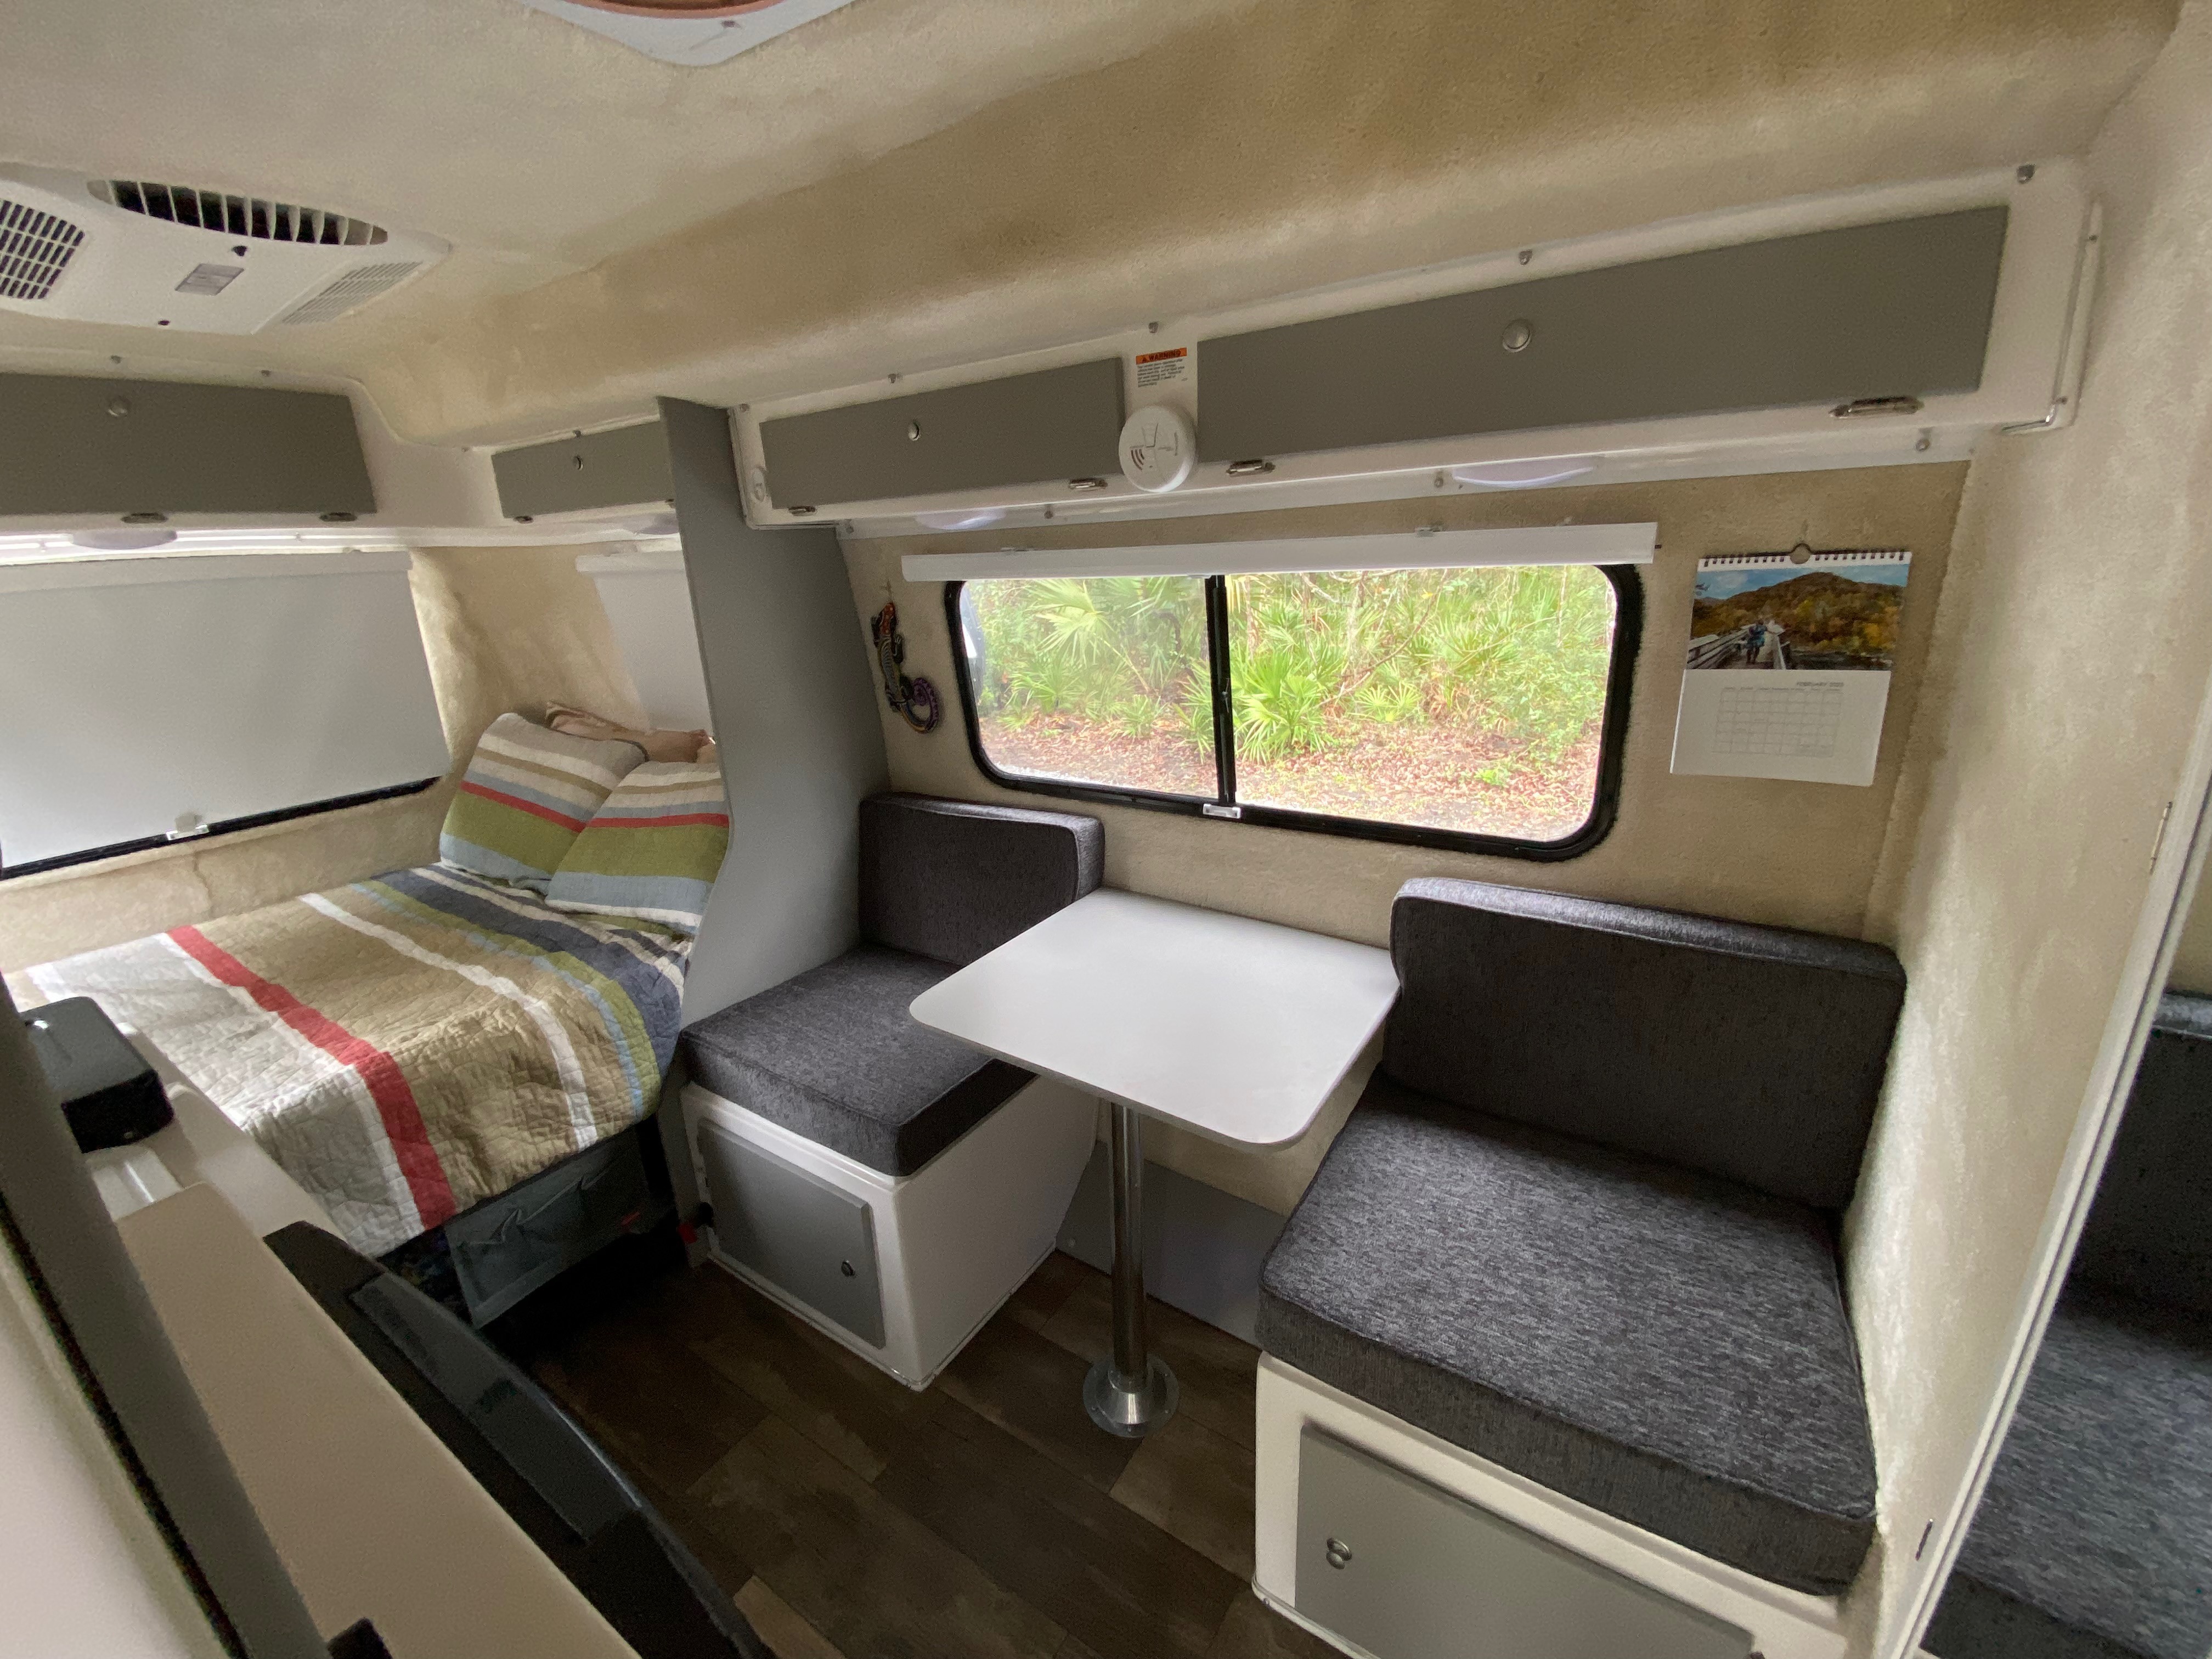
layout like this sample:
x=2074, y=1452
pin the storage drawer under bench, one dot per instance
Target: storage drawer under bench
x=1404, y=1570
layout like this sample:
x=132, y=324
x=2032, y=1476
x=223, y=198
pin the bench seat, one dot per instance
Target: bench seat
x=1663, y=1344
x=1583, y=1224
x=2094, y=1538
x=833, y=1055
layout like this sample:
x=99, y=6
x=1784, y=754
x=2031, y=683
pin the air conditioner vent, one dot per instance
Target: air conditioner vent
x=251, y=216
x=35, y=248
x=361, y=283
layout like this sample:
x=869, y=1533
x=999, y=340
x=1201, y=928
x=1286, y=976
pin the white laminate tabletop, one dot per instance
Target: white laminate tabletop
x=1237, y=1029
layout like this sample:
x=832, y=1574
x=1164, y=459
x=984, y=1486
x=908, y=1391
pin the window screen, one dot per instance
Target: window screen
x=206, y=690
x=1098, y=682
x=1446, y=706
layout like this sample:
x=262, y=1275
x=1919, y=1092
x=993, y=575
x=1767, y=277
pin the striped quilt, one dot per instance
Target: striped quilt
x=405, y=1047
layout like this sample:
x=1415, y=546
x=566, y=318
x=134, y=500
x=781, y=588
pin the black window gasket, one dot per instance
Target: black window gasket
x=1604, y=805
x=228, y=826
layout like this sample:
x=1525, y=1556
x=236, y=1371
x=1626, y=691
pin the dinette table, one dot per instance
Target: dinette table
x=1237, y=1029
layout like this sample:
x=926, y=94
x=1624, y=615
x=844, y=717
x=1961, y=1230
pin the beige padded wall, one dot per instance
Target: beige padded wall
x=1799, y=854
x=510, y=629
x=506, y=627
x=2072, y=643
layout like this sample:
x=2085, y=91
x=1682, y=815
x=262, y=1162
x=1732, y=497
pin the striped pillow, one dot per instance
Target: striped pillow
x=652, y=852
x=526, y=796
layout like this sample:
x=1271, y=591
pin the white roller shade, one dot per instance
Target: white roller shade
x=1411, y=549
x=648, y=603
x=134, y=692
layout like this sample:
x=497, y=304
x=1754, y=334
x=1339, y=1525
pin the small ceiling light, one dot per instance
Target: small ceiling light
x=970, y=517
x=1525, y=474
x=121, y=541
x=688, y=31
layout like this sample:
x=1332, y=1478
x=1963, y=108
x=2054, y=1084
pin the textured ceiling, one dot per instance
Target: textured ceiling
x=907, y=182
x=535, y=147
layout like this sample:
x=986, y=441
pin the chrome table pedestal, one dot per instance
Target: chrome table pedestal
x=1133, y=1392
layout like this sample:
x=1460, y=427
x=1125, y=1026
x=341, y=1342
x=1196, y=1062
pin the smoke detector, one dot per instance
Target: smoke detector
x=691, y=32
x=153, y=255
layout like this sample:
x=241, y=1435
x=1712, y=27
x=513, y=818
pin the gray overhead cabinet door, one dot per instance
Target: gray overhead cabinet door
x=1897, y=310
x=1056, y=424
x=626, y=467
x=76, y=445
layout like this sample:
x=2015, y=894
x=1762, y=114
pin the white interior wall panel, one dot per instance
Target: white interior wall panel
x=648, y=605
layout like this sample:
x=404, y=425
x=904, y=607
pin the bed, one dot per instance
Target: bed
x=406, y=1047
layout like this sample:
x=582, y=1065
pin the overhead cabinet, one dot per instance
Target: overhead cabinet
x=78, y=444
x=1877, y=326
x=627, y=467
x=1056, y=424
x=1898, y=310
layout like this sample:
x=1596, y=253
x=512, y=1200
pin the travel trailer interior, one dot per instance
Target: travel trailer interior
x=837, y=828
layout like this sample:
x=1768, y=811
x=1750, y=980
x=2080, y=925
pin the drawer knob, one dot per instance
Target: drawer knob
x=845, y=1268
x=913, y=432
x=1338, y=1553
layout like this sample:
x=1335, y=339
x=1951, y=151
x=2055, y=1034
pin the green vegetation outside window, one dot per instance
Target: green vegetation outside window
x=1480, y=707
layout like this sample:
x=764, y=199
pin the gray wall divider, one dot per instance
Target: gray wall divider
x=1056, y=424
x=618, y=468
x=80, y=445
x=788, y=680
x=1869, y=310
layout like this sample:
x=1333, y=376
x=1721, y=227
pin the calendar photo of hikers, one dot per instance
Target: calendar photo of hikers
x=1798, y=610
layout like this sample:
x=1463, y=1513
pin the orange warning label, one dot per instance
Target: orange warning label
x=1154, y=366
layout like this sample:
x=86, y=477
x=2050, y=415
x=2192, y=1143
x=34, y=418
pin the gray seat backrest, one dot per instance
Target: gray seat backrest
x=2149, y=1231
x=954, y=881
x=1752, y=1053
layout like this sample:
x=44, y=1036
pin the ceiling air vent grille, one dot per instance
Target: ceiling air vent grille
x=362, y=283
x=251, y=216
x=35, y=248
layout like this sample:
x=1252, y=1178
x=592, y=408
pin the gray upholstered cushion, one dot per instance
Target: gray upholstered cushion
x=1753, y=1053
x=834, y=1056
x=2149, y=1233
x=2094, y=1539
x=1664, y=1346
x=954, y=881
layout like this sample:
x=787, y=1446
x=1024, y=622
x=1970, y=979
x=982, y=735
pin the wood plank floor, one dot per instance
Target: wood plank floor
x=852, y=1518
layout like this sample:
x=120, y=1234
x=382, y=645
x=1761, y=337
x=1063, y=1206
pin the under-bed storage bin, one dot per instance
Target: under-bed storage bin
x=1409, y=1570
x=508, y=1246
x=795, y=1230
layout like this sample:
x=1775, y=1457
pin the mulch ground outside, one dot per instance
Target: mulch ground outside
x=1426, y=774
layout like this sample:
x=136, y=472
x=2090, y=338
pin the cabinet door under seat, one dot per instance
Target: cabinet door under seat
x=794, y=1229
x=1408, y=1570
